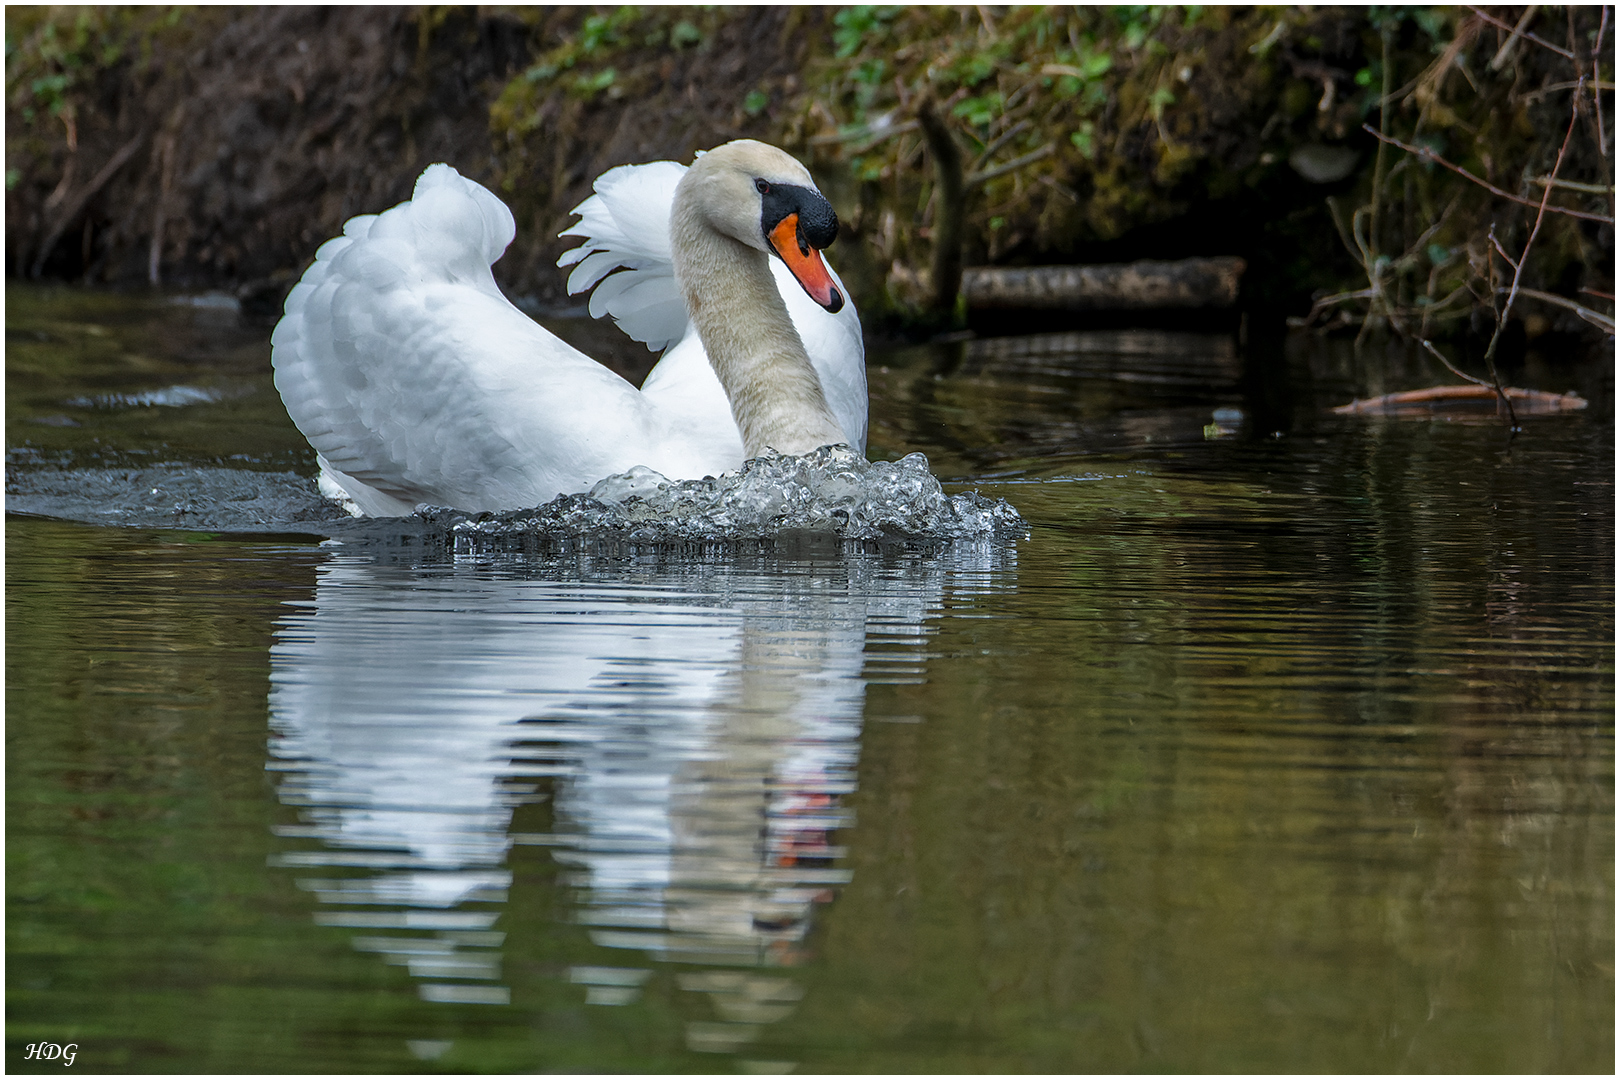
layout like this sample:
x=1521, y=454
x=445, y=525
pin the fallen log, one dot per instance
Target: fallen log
x=1137, y=286
x=1429, y=399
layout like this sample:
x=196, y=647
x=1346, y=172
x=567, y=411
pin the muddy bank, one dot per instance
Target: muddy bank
x=219, y=148
x=255, y=133
x=222, y=150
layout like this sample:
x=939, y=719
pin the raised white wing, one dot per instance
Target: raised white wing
x=417, y=381
x=625, y=226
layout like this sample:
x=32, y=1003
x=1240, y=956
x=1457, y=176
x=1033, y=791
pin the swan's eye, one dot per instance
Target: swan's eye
x=762, y=187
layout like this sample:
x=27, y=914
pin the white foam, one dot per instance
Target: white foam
x=833, y=491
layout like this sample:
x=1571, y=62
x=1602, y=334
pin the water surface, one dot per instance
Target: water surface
x=1284, y=742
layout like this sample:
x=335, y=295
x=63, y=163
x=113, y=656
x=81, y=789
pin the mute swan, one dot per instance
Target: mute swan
x=416, y=381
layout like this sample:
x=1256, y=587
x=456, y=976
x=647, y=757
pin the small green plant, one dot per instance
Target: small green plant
x=855, y=27
x=589, y=85
x=684, y=35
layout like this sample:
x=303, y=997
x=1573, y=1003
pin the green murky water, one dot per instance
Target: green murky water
x=1283, y=743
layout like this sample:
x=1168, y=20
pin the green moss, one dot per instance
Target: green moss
x=54, y=53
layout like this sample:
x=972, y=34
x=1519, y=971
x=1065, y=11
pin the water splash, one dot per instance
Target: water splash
x=832, y=491
x=829, y=494
x=168, y=396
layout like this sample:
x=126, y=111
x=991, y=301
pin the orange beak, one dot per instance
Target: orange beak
x=806, y=264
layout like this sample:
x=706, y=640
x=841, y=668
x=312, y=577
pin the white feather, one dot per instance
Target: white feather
x=416, y=381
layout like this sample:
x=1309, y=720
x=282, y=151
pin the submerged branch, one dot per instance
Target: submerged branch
x=1538, y=400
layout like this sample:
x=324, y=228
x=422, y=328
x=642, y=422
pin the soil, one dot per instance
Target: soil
x=220, y=147
x=249, y=142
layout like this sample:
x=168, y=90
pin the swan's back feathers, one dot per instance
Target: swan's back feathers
x=626, y=224
x=449, y=208
x=417, y=381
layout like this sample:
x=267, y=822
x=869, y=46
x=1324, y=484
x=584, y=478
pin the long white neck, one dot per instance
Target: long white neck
x=775, y=395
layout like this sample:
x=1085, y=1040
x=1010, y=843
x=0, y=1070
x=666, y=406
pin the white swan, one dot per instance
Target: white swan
x=416, y=381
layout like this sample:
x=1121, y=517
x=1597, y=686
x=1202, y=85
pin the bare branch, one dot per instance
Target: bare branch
x=1506, y=50
x=975, y=179
x=1497, y=244
x=1597, y=319
x=1570, y=185
x=1597, y=98
x=1560, y=87
x=1338, y=222
x=1544, y=43
x=1539, y=401
x=1438, y=310
x=1339, y=298
x=1524, y=256
x=83, y=197
x=1429, y=155
x=1434, y=75
x=1440, y=356
x=876, y=135
x=1001, y=140
x=1423, y=239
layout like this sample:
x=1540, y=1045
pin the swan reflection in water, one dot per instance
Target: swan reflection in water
x=701, y=719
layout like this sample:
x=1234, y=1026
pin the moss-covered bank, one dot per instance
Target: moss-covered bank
x=221, y=145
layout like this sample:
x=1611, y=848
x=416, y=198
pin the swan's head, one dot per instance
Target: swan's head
x=764, y=198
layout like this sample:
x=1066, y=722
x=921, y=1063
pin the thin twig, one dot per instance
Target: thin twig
x=1338, y=223
x=864, y=133
x=1570, y=185
x=1429, y=155
x=1507, y=46
x=1597, y=86
x=1437, y=310
x=1440, y=356
x=1383, y=126
x=1518, y=268
x=1597, y=319
x=1497, y=244
x=1543, y=42
x=1560, y=87
x=1423, y=237
x=974, y=179
x=1001, y=140
x=1524, y=257
x=1339, y=298
x=1062, y=189
x=79, y=201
